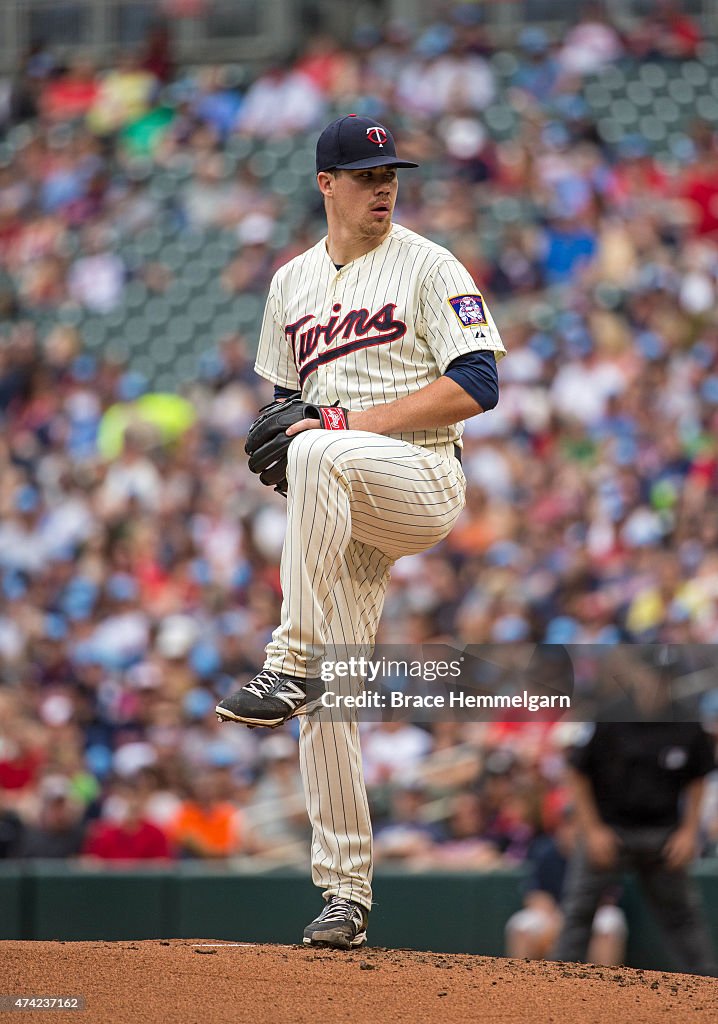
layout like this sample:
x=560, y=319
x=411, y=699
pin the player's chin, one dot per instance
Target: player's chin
x=378, y=221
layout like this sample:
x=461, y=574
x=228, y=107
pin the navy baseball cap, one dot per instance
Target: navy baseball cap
x=353, y=142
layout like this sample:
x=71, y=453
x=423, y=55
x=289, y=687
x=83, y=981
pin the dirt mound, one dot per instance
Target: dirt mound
x=201, y=982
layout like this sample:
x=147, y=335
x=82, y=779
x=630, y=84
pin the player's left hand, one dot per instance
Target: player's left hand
x=270, y=435
x=331, y=417
x=681, y=848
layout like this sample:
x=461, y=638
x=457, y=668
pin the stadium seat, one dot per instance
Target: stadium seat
x=94, y=333
x=678, y=145
x=70, y=314
x=158, y=310
x=181, y=330
x=115, y=319
x=131, y=255
x=281, y=236
x=117, y=350
x=224, y=324
x=172, y=256
x=138, y=331
x=653, y=75
x=214, y=255
x=665, y=109
x=640, y=94
x=652, y=129
x=246, y=308
x=166, y=380
x=708, y=54
x=707, y=108
x=240, y=146
x=191, y=241
x=218, y=295
x=681, y=92
x=694, y=72
x=500, y=120
x=263, y=164
x=162, y=352
x=196, y=274
x=178, y=294
x=135, y=295
x=145, y=365
x=163, y=186
x=303, y=161
x=186, y=367
x=613, y=77
x=624, y=112
x=201, y=311
x=507, y=210
x=286, y=182
x=504, y=64
x=149, y=242
x=597, y=96
x=609, y=130
x=283, y=149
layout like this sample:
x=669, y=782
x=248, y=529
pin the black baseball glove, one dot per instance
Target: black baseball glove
x=267, y=441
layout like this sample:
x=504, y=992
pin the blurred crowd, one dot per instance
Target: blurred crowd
x=139, y=558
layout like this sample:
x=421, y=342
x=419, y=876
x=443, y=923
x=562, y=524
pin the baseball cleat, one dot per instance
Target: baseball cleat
x=342, y=925
x=270, y=699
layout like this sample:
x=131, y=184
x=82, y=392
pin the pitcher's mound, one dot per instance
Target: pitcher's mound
x=203, y=981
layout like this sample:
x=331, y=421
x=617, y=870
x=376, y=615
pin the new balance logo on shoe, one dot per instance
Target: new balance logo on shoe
x=270, y=699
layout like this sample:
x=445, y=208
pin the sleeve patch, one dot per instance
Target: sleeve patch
x=469, y=309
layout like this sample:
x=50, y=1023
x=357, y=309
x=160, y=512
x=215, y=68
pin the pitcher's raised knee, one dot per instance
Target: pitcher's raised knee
x=314, y=452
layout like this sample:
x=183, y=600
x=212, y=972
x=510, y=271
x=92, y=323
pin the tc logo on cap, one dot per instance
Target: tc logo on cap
x=377, y=135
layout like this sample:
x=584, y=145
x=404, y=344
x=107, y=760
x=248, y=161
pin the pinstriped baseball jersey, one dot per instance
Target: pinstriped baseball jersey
x=380, y=328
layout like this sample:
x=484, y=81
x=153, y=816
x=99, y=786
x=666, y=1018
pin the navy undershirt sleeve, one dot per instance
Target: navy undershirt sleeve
x=476, y=373
x=280, y=392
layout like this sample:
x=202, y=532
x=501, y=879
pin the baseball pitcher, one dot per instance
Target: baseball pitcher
x=379, y=345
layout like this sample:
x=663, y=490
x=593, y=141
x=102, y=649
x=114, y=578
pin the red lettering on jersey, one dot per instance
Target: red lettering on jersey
x=359, y=327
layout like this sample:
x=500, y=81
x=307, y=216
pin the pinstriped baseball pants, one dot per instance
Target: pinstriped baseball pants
x=356, y=502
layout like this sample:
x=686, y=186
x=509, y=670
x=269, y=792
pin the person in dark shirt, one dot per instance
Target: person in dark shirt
x=59, y=830
x=637, y=790
x=532, y=931
x=11, y=830
x=407, y=833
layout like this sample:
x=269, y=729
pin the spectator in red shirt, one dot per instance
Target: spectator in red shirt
x=20, y=755
x=324, y=62
x=668, y=32
x=71, y=94
x=700, y=188
x=125, y=834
